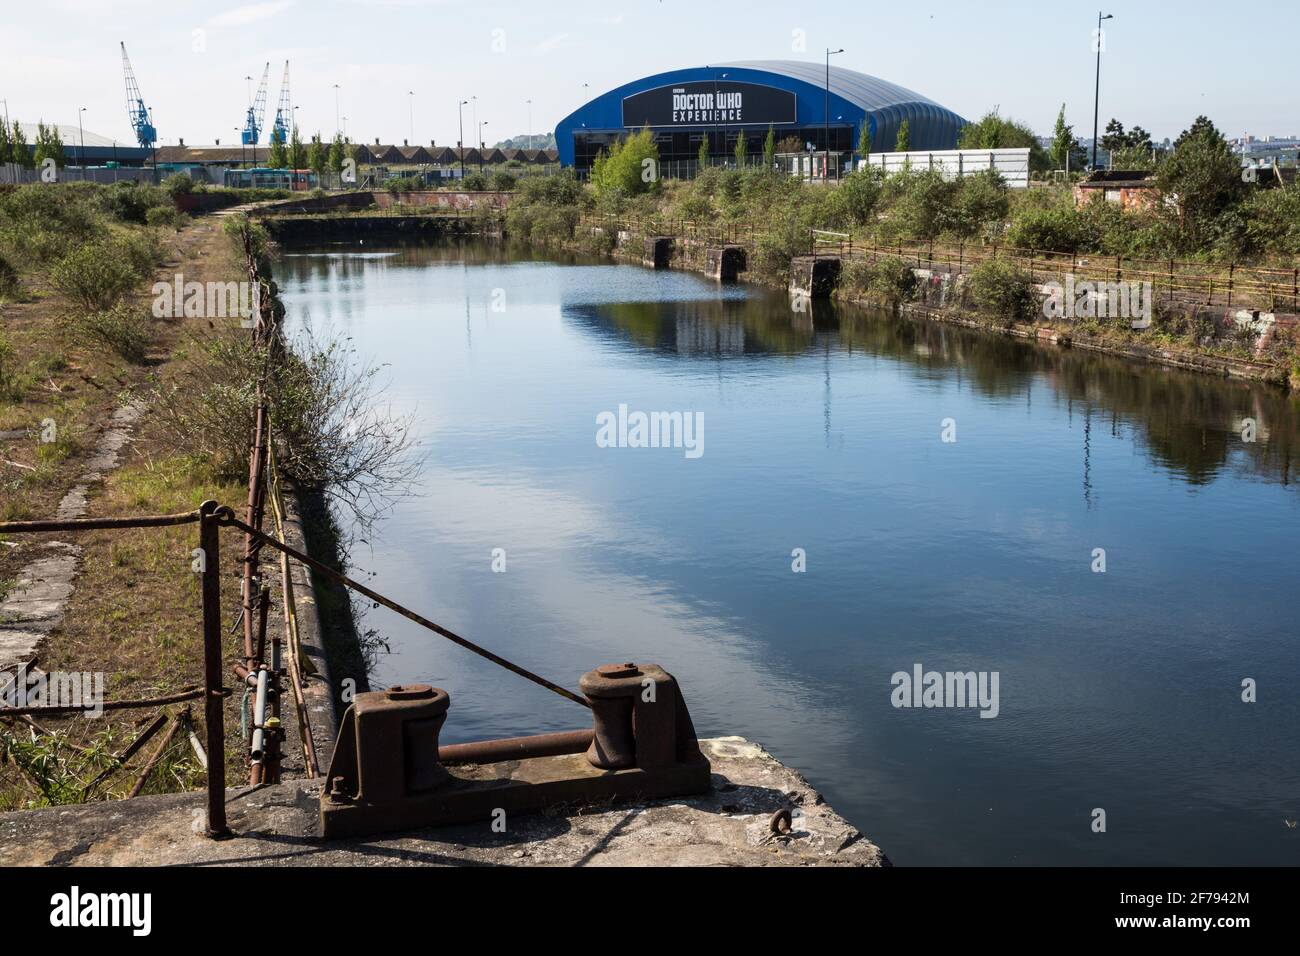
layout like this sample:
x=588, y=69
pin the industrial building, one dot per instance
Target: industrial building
x=715, y=104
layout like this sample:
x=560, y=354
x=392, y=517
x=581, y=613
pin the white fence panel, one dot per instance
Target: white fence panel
x=1012, y=164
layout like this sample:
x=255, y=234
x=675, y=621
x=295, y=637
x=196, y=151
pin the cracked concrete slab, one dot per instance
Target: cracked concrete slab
x=35, y=604
x=280, y=825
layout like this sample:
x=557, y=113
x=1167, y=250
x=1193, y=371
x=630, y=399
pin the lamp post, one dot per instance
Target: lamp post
x=530, y=123
x=81, y=136
x=411, y=95
x=826, y=116
x=460, y=143
x=480, y=145
x=337, y=125
x=1096, y=104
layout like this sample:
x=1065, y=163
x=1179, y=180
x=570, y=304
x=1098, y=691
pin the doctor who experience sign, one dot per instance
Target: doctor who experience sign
x=706, y=103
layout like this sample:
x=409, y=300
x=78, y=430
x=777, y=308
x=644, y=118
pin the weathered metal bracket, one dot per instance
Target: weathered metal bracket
x=389, y=773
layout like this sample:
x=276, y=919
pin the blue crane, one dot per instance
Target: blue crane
x=283, y=115
x=256, y=113
x=141, y=122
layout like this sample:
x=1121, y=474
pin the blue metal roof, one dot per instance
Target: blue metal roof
x=854, y=98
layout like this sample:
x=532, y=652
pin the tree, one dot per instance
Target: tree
x=769, y=148
x=336, y=156
x=864, y=139
x=296, y=152
x=316, y=157
x=18, y=147
x=1128, y=150
x=1203, y=177
x=903, y=144
x=49, y=145
x=279, y=157
x=1066, y=152
x=995, y=132
x=6, y=155
x=742, y=150
x=631, y=167
x=703, y=157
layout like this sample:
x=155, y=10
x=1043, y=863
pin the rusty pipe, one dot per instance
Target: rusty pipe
x=517, y=748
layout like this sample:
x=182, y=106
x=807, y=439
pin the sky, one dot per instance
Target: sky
x=1164, y=63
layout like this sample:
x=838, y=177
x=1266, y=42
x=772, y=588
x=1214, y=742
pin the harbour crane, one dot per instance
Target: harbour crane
x=283, y=125
x=141, y=122
x=256, y=112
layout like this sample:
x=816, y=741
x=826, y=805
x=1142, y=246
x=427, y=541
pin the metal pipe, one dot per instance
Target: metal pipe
x=258, y=747
x=517, y=748
x=99, y=524
x=178, y=698
x=213, y=718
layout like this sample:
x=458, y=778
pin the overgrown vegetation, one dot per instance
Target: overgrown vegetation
x=1002, y=290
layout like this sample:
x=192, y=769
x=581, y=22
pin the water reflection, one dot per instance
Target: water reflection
x=823, y=434
x=1189, y=423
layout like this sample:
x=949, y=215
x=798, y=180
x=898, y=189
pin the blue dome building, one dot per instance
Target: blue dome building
x=716, y=103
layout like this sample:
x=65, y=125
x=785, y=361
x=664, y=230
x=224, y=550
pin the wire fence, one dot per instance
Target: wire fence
x=1231, y=286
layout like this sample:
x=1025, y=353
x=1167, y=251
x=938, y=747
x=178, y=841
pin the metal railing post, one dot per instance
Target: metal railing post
x=213, y=700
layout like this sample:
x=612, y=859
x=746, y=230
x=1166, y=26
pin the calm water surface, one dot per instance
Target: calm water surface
x=1119, y=691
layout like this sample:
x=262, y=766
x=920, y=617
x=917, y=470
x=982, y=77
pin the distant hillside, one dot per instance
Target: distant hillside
x=524, y=141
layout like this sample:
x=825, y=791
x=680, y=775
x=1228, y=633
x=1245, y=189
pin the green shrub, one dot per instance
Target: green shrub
x=474, y=182
x=631, y=166
x=8, y=377
x=95, y=275
x=125, y=329
x=132, y=202
x=10, y=287
x=1055, y=229
x=982, y=205
x=999, y=288
x=784, y=239
x=178, y=184
x=859, y=195
x=503, y=182
x=43, y=222
x=924, y=204
x=142, y=250
x=599, y=242
x=885, y=280
x=166, y=217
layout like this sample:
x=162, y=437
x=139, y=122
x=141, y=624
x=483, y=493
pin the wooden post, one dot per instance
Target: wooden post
x=1232, y=276
x=213, y=700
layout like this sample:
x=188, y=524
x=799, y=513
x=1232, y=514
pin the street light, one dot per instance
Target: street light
x=81, y=150
x=826, y=116
x=411, y=94
x=460, y=143
x=1096, y=106
x=480, y=145
x=530, y=123
x=336, y=107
